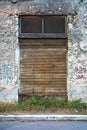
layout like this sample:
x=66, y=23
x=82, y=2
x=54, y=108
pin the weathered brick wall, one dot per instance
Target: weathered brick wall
x=76, y=12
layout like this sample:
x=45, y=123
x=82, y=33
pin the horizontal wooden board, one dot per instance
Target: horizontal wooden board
x=40, y=42
x=41, y=68
x=43, y=83
x=38, y=51
x=43, y=79
x=44, y=87
x=60, y=73
x=39, y=64
x=42, y=56
x=27, y=75
x=48, y=88
x=62, y=95
x=42, y=46
x=43, y=93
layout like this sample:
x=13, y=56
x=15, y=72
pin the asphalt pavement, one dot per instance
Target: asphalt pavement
x=44, y=125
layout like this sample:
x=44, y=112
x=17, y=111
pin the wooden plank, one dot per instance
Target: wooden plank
x=42, y=68
x=44, y=61
x=41, y=54
x=61, y=59
x=42, y=41
x=42, y=83
x=44, y=79
x=43, y=72
x=41, y=87
x=50, y=94
x=42, y=57
x=43, y=46
x=43, y=51
x=53, y=92
x=40, y=91
x=34, y=47
x=32, y=67
x=27, y=75
x=39, y=64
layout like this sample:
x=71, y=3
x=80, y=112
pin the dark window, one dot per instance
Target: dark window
x=31, y=25
x=54, y=24
x=42, y=26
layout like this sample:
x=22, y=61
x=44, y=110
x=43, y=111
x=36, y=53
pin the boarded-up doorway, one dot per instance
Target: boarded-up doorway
x=43, y=63
x=43, y=68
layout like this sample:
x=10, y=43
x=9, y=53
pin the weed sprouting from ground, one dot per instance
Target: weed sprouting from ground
x=42, y=103
x=78, y=105
x=36, y=103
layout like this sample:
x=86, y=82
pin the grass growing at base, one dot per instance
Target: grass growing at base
x=42, y=103
x=77, y=105
x=36, y=103
x=7, y=107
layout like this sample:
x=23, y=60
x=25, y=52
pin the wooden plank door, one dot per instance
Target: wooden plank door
x=43, y=69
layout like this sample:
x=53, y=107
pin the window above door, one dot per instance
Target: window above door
x=38, y=26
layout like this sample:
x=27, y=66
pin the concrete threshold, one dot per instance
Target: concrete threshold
x=43, y=117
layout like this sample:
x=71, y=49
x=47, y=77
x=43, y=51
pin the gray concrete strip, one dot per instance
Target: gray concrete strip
x=43, y=117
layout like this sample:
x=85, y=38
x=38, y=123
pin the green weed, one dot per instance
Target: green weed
x=50, y=104
x=42, y=103
x=77, y=105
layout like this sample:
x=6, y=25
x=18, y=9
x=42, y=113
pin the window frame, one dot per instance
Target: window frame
x=42, y=35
